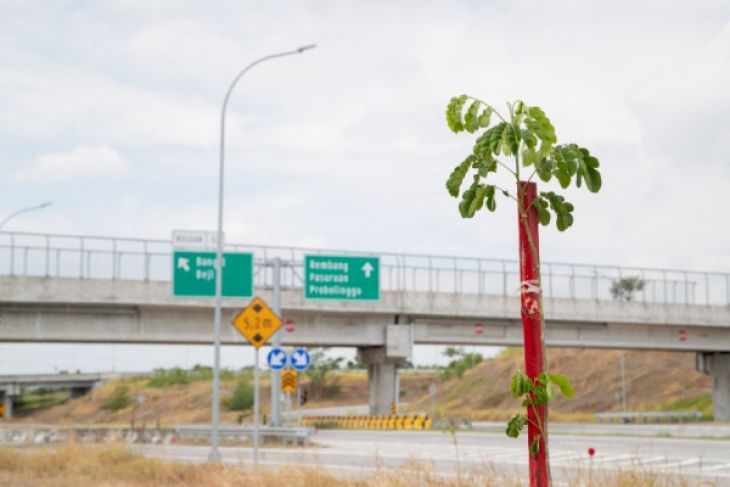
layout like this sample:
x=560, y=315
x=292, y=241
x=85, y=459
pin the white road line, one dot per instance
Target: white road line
x=722, y=466
x=676, y=463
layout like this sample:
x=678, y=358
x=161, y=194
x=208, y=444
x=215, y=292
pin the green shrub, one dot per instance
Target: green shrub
x=118, y=401
x=242, y=397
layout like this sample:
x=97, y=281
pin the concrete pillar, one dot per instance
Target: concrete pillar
x=382, y=379
x=717, y=365
x=8, y=403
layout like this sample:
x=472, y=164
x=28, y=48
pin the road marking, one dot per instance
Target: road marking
x=678, y=463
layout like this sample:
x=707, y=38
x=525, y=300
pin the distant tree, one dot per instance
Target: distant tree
x=356, y=364
x=460, y=363
x=318, y=374
x=623, y=288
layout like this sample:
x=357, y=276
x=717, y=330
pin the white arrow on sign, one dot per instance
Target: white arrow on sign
x=367, y=269
x=183, y=263
x=300, y=359
x=277, y=359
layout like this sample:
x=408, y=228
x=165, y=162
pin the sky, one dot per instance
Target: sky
x=111, y=110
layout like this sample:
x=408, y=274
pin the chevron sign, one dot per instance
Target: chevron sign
x=288, y=381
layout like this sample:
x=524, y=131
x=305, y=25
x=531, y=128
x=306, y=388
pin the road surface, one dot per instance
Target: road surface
x=355, y=453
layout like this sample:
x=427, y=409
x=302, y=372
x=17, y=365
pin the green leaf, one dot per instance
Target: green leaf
x=520, y=384
x=529, y=157
x=510, y=140
x=471, y=118
x=491, y=203
x=457, y=176
x=535, y=445
x=515, y=425
x=494, y=137
x=484, y=117
x=453, y=113
x=544, y=169
x=529, y=138
x=543, y=215
x=562, y=209
x=563, y=384
x=588, y=167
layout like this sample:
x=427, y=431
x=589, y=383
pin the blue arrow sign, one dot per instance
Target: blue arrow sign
x=276, y=359
x=300, y=359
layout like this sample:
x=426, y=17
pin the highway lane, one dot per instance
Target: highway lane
x=362, y=452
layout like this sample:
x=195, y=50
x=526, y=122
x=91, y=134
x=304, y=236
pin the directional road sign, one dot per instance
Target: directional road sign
x=276, y=359
x=194, y=274
x=288, y=380
x=300, y=359
x=342, y=277
x=257, y=322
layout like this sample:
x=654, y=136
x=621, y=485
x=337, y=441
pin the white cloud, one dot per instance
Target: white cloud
x=83, y=162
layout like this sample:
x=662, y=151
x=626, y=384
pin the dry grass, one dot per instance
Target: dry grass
x=72, y=465
x=655, y=381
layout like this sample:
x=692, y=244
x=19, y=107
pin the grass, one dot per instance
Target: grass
x=42, y=398
x=175, y=376
x=73, y=465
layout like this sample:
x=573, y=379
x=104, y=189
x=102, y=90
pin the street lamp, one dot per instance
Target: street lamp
x=214, y=452
x=24, y=210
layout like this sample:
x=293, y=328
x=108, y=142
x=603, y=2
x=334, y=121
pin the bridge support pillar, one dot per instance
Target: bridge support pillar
x=717, y=365
x=8, y=403
x=383, y=383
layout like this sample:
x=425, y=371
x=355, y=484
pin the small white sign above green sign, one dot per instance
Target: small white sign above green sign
x=341, y=277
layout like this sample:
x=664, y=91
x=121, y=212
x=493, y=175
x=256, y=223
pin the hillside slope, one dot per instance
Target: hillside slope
x=190, y=402
x=654, y=381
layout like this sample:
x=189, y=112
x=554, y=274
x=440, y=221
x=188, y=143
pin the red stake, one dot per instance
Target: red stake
x=531, y=327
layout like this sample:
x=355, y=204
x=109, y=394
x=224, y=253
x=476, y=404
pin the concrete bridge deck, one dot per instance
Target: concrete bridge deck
x=65, y=288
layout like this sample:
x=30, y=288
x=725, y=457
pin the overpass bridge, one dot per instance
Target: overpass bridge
x=65, y=288
x=12, y=385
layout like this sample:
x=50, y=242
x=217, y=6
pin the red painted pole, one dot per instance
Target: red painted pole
x=531, y=326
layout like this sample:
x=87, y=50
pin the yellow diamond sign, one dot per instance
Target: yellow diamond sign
x=257, y=322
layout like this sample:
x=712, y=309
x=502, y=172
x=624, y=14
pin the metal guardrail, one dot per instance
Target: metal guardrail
x=16, y=434
x=97, y=257
x=298, y=434
x=633, y=417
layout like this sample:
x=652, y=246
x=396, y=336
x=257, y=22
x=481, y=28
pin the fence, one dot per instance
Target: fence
x=96, y=257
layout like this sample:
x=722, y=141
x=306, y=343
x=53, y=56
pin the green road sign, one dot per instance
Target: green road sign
x=341, y=277
x=193, y=274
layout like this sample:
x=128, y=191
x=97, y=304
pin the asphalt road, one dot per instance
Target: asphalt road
x=356, y=453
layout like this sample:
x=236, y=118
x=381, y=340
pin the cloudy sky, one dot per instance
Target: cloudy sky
x=111, y=110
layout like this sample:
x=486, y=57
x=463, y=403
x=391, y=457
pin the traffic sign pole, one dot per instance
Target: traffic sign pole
x=276, y=341
x=256, y=397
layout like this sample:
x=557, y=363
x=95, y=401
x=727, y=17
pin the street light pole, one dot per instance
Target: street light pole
x=215, y=433
x=24, y=210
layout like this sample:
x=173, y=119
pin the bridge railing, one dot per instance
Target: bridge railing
x=96, y=257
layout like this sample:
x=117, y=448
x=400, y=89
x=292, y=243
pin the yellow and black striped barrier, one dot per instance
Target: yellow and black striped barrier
x=406, y=422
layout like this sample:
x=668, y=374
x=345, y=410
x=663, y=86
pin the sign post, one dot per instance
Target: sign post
x=342, y=277
x=276, y=342
x=257, y=323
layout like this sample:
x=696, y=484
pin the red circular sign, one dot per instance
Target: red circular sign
x=478, y=328
x=591, y=451
x=289, y=326
x=682, y=335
